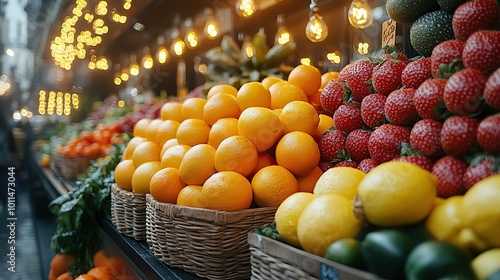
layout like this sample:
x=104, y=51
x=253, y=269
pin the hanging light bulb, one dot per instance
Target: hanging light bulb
x=282, y=35
x=360, y=14
x=162, y=55
x=211, y=29
x=124, y=74
x=316, y=29
x=191, y=38
x=147, y=59
x=117, y=80
x=134, y=66
x=247, y=49
x=178, y=46
x=245, y=8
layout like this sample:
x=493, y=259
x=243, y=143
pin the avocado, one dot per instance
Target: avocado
x=407, y=11
x=429, y=30
x=450, y=5
x=346, y=251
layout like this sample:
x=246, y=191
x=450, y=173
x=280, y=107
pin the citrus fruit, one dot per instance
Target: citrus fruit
x=325, y=123
x=65, y=276
x=299, y=116
x=152, y=129
x=340, y=180
x=197, y=164
x=395, y=194
x=222, y=129
x=191, y=196
x=221, y=105
x=123, y=174
x=283, y=93
x=298, y=152
x=307, y=182
x=444, y=220
x=306, y=77
x=166, y=131
x=271, y=80
x=166, y=184
x=287, y=216
x=85, y=277
x=146, y=151
x=173, y=156
x=142, y=176
x=224, y=88
x=261, y=126
x=253, y=94
x=171, y=111
x=486, y=263
x=192, y=132
x=169, y=143
x=227, y=191
x=481, y=210
x=101, y=273
x=236, y=153
x=192, y=108
x=141, y=127
x=315, y=101
x=273, y=184
x=327, y=77
x=263, y=159
x=326, y=219
x=60, y=263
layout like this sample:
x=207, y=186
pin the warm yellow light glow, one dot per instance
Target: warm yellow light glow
x=334, y=57
x=363, y=48
x=245, y=8
x=121, y=103
x=134, y=69
x=316, y=28
x=360, y=14
x=124, y=75
x=117, y=81
x=211, y=29
x=178, y=47
x=162, y=55
x=305, y=61
x=147, y=61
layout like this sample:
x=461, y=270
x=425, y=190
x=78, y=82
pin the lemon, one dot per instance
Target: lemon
x=481, y=210
x=444, y=220
x=324, y=220
x=287, y=215
x=340, y=180
x=486, y=263
x=395, y=194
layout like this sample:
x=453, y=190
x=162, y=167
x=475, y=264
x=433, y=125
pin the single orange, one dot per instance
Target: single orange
x=169, y=143
x=191, y=196
x=197, y=164
x=142, y=176
x=227, y=191
x=263, y=159
x=103, y=258
x=166, y=184
x=140, y=127
x=253, y=94
x=85, y=277
x=166, y=131
x=221, y=105
x=261, y=126
x=65, y=276
x=222, y=129
x=273, y=184
x=145, y=152
x=325, y=124
x=327, y=77
x=193, y=132
x=298, y=152
x=60, y=263
x=101, y=273
x=314, y=100
x=152, y=129
x=284, y=92
x=192, y=108
x=224, y=88
x=171, y=110
x=173, y=156
x=307, y=182
x=236, y=153
x=306, y=77
x=123, y=174
x=131, y=145
x=299, y=116
x=271, y=80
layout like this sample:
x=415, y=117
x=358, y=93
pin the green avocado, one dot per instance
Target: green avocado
x=450, y=5
x=407, y=11
x=346, y=251
x=429, y=30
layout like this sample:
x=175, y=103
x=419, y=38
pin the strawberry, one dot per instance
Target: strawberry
x=416, y=72
x=480, y=168
x=399, y=108
x=347, y=163
x=450, y=173
x=392, y=53
x=386, y=141
x=356, y=77
x=488, y=134
x=482, y=51
x=332, y=96
x=491, y=93
x=425, y=137
x=445, y=53
x=372, y=110
x=331, y=144
x=420, y=160
x=473, y=16
x=428, y=99
x=458, y=135
x=386, y=76
x=366, y=165
x=347, y=118
x=325, y=165
x=463, y=90
x=357, y=144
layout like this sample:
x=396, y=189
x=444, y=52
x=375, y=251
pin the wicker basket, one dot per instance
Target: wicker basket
x=69, y=167
x=211, y=244
x=276, y=260
x=128, y=212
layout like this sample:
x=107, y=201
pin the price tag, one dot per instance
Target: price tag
x=388, y=33
x=328, y=273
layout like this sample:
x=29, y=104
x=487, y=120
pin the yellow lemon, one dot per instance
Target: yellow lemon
x=288, y=214
x=486, y=263
x=340, y=180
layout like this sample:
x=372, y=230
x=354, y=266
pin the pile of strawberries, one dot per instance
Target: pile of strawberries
x=440, y=112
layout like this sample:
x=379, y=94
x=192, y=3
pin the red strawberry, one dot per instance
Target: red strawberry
x=462, y=93
x=357, y=144
x=479, y=169
x=332, y=96
x=386, y=76
x=392, y=53
x=420, y=160
x=473, y=16
x=482, y=51
x=366, y=165
x=347, y=118
x=458, y=135
x=450, y=173
x=347, y=163
x=356, y=77
x=399, y=108
x=332, y=142
x=372, y=110
x=491, y=93
x=425, y=137
x=428, y=99
x=386, y=141
x=416, y=72
x=325, y=165
x=443, y=54
x=488, y=134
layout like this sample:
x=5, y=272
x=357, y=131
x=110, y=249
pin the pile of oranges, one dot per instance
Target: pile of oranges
x=236, y=149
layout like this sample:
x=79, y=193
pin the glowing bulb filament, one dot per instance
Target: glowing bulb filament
x=360, y=14
x=316, y=29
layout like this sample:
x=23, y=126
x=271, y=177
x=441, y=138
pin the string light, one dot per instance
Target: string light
x=245, y=8
x=282, y=35
x=211, y=29
x=191, y=38
x=360, y=14
x=59, y=103
x=134, y=66
x=178, y=46
x=316, y=28
x=334, y=57
x=147, y=59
